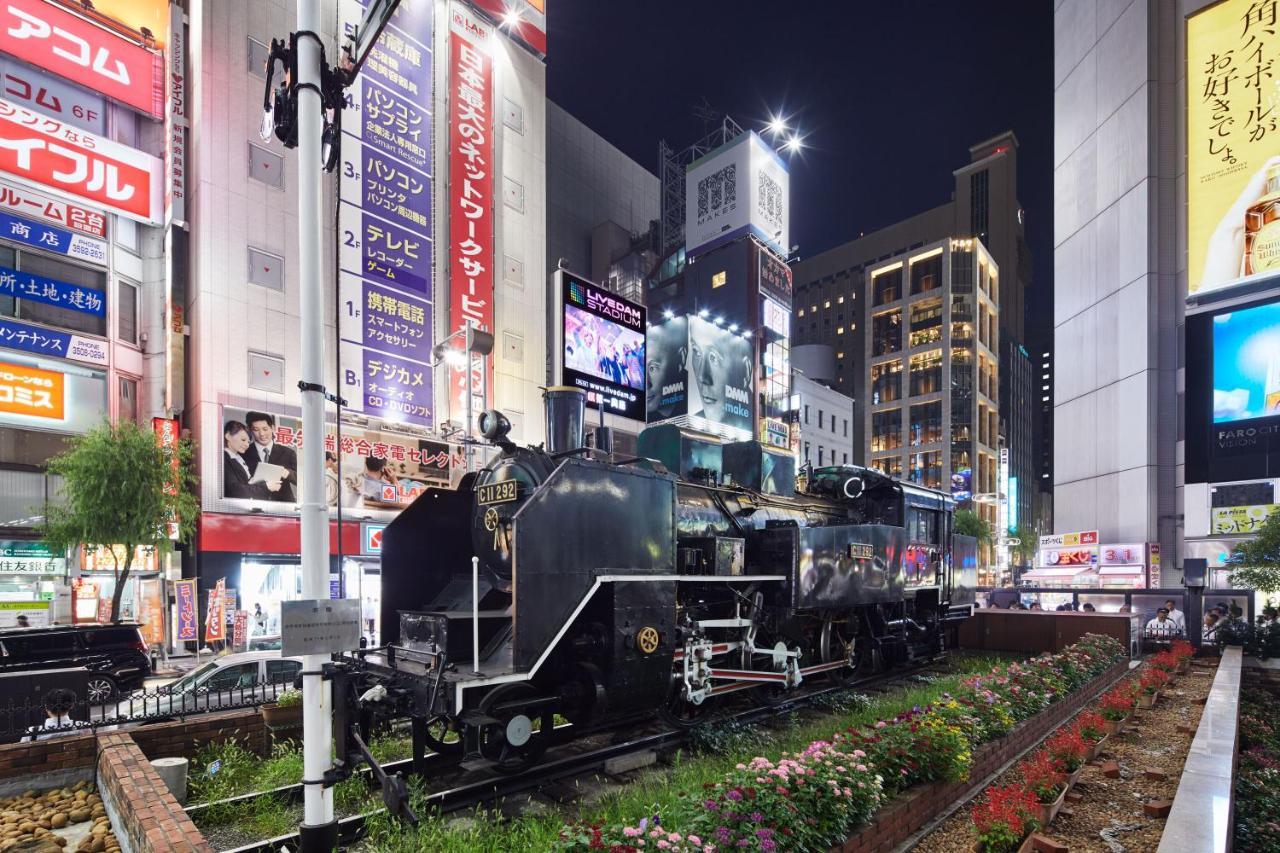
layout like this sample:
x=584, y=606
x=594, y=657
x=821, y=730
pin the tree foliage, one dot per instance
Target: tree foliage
x=120, y=488
x=1025, y=551
x=1255, y=563
x=968, y=523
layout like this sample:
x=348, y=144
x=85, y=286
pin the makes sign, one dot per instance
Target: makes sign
x=99, y=59
x=49, y=154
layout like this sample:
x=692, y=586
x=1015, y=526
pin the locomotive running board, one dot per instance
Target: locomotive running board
x=461, y=686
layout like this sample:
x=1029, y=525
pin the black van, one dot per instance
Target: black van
x=115, y=655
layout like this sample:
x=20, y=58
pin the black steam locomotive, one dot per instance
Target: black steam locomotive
x=610, y=588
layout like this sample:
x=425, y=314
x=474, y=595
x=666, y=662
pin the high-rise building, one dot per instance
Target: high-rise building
x=1044, y=446
x=601, y=207
x=932, y=375
x=984, y=206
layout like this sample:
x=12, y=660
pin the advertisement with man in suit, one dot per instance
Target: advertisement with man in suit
x=265, y=449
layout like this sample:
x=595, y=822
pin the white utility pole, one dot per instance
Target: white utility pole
x=317, y=698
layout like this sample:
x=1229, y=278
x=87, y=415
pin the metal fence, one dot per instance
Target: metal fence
x=21, y=719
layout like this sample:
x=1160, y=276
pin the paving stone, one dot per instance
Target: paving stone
x=1045, y=844
x=1155, y=775
x=1074, y=797
x=1111, y=770
x=1157, y=808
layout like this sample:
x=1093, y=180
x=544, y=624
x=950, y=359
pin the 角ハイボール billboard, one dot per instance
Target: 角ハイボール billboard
x=1233, y=145
x=740, y=188
x=604, y=347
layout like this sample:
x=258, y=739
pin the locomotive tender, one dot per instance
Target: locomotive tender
x=613, y=589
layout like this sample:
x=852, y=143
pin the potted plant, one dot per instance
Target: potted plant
x=1004, y=819
x=1184, y=651
x=1093, y=731
x=1046, y=783
x=1116, y=707
x=1166, y=662
x=1069, y=752
x=285, y=711
x=1149, y=687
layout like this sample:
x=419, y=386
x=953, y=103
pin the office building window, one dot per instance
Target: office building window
x=819, y=418
x=886, y=287
x=979, y=204
x=886, y=382
x=128, y=398
x=127, y=311
x=886, y=333
x=886, y=430
x=806, y=410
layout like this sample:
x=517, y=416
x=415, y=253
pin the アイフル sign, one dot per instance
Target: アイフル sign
x=52, y=155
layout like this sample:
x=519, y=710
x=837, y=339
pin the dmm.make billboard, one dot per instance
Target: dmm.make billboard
x=1233, y=139
x=740, y=188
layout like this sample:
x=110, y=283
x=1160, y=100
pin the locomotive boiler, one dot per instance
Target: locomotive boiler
x=561, y=583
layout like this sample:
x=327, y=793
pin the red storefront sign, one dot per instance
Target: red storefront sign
x=57, y=156
x=27, y=202
x=215, y=619
x=166, y=430
x=54, y=39
x=524, y=19
x=470, y=196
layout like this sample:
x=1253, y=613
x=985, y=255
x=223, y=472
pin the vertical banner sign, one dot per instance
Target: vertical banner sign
x=175, y=120
x=184, y=594
x=215, y=620
x=385, y=222
x=1153, y=566
x=166, y=430
x=240, y=629
x=470, y=196
x=151, y=618
x=1233, y=139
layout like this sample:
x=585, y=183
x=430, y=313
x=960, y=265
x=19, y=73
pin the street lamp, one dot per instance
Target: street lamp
x=477, y=342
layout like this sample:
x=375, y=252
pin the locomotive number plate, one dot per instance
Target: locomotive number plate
x=497, y=493
x=861, y=551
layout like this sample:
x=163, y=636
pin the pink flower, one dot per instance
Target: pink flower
x=881, y=724
x=662, y=842
x=695, y=841
x=848, y=792
x=654, y=833
x=862, y=784
x=857, y=753
x=862, y=768
x=630, y=832
x=673, y=837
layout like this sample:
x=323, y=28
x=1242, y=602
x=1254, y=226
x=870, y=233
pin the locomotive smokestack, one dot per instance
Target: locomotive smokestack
x=566, y=412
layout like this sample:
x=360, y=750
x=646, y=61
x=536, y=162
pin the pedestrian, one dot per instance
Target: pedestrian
x=58, y=704
x=1176, y=616
x=1088, y=608
x=259, y=620
x=23, y=621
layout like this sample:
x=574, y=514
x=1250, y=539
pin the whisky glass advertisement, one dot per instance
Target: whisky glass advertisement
x=1246, y=364
x=1233, y=144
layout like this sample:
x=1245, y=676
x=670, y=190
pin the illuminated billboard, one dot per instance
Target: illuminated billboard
x=1233, y=171
x=1246, y=364
x=604, y=347
x=740, y=188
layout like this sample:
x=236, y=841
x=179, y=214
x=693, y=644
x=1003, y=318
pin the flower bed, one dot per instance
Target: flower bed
x=1257, y=788
x=810, y=800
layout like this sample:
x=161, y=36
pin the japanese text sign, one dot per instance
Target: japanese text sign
x=52, y=38
x=50, y=154
x=471, y=248
x=32, y=392
x=73, y=297
x=42, y=341
x=30, y=203
x=185, y=595
x=51, y=238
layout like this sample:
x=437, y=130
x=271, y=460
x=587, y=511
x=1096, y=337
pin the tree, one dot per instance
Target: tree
x=120, y=488
x=968, y=523
x=1025, y=551
x=1255, y=563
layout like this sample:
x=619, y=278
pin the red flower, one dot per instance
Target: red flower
x=1117, y=703
x=1153, y=679
x=1010, y=808
x=1090, y=726
x=1067, y=749
x=1040, y=776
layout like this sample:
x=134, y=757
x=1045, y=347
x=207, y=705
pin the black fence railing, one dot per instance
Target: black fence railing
x=21, y=718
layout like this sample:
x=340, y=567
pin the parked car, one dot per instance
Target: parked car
x=230, y=681
x=115, y=655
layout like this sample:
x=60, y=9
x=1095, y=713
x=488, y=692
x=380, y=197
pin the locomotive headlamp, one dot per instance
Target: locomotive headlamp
x=494, y=427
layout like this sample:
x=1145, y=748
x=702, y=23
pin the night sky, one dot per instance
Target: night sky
x=888, y=97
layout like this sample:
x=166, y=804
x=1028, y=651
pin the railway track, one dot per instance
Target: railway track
x=557, y=769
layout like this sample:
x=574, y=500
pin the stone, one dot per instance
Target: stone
x=1045, y=844
x=1111, y=770
x=1157, y=808
x=1155, y=775
x=620, y=764
x=1073, y=797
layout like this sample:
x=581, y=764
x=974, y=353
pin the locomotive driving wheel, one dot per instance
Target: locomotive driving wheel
x=838, y=641
x=680, y=713
x=523, y=729
x=442, y=737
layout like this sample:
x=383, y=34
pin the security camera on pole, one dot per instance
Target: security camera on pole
x=305, y=112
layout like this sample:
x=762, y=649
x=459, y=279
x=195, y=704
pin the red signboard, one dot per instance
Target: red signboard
x=470, y=195
x=215, y=619
x=27, y=202
x=48, y=153
x=166, y=430
x=525, y=20
x=54, y=39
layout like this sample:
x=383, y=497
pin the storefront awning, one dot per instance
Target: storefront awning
x=1127, y=571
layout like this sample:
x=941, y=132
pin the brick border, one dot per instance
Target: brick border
x=147, y=814
x=906, y=813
